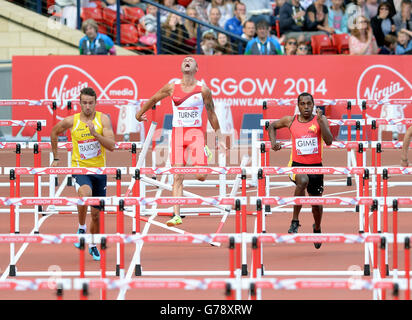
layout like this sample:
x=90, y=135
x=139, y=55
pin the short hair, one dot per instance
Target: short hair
x=262, y=24
x=88, y=92
x=238, y=3
x=384, y=4
x=389, y=40
x=406, y=2
x=90, y=23
x=305, y=94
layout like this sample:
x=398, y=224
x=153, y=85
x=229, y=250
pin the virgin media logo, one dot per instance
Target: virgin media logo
x=380, y=82
x=66, y=81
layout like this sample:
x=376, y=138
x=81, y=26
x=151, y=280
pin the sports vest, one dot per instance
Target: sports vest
x=187, y=107
x=306, y=141
x=87, y=150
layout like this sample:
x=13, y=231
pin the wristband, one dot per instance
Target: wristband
x=54, y=159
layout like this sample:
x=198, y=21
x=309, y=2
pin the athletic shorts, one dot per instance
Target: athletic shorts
x=315, y=185
x=96, y=182
x=188, y=145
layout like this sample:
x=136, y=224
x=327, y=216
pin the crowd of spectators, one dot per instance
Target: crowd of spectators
x=272, y=27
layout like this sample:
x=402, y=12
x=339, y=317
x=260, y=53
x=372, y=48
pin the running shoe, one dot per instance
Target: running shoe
x=94, y=252
x=208, y=154
x=176, y=220
x=80, y=231
x=294, y=226
x=317, y=244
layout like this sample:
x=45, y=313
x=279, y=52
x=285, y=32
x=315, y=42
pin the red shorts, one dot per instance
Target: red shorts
x=188, y=145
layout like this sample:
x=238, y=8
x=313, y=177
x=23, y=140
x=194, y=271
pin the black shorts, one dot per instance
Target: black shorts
x=96, y=182
x=315, y=185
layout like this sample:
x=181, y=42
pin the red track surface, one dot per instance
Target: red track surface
x=172, y=256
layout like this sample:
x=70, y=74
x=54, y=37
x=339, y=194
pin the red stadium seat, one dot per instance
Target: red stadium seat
x=128, y=34
x=341, y=42
x=322, y=44
x=92, y=13
x=184, y=3
x=132, y=14
x=109, y=19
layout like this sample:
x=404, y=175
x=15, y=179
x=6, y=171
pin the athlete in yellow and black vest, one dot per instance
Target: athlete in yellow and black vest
x=308, y=132
x=92, y=135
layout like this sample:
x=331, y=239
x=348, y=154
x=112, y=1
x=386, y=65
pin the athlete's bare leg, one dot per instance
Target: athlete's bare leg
x=95, y=223
x=84, y=191
x=317, y=212
x=177, y=190
x=301, y=181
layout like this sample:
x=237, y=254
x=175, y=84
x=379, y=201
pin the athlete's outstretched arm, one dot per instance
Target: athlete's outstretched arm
x=273, y=126
x=58, y=129
x=405, y=147
x=211, y=115
x=324, y=127
x=164, y=92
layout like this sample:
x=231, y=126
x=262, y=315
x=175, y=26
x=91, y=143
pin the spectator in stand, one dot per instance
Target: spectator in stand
x=372, y=6
x=317, y=17
x=223, y=44
x=276, y=12
x=201, y=8
x=382, y=24
x=258, y=10
x=389, y=46
x=292, y=17
x=209, y=43
x=291, y=46
x=263, y=44
x=174, y=34
x=95, y=43
x=361, y=40
x=111, y=4
x=149, y=24
x=234, y=24
x=191, y=26
x=171, y=4
x=337, y=18
x=355, y=9
x=226, y=10
x=249, y=30
x=69, y=11
x=214, y=17
x=396, y=6
x=305, y=3
x=403, y=19
x=134, y=3
x=404, y=45
x=303, y=49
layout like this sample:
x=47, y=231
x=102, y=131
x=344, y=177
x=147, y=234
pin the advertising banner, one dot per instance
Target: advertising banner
x=240, y=83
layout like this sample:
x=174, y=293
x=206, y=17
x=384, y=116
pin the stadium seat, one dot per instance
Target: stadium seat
x=96, y=15
x=128, y=34
x=132, y=14
x=322, y=44
x=109, y=19
x=92, y=13
x=341, y=42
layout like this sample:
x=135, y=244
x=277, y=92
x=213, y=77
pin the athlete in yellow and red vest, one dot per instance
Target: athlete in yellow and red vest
x=92, y=135
x=308, y=132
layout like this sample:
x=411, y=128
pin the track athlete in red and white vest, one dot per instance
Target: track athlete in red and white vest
x=189, y=96
x=308, y=132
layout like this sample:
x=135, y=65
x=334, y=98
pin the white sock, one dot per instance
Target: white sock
x=91, y=245
x=82, y=226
